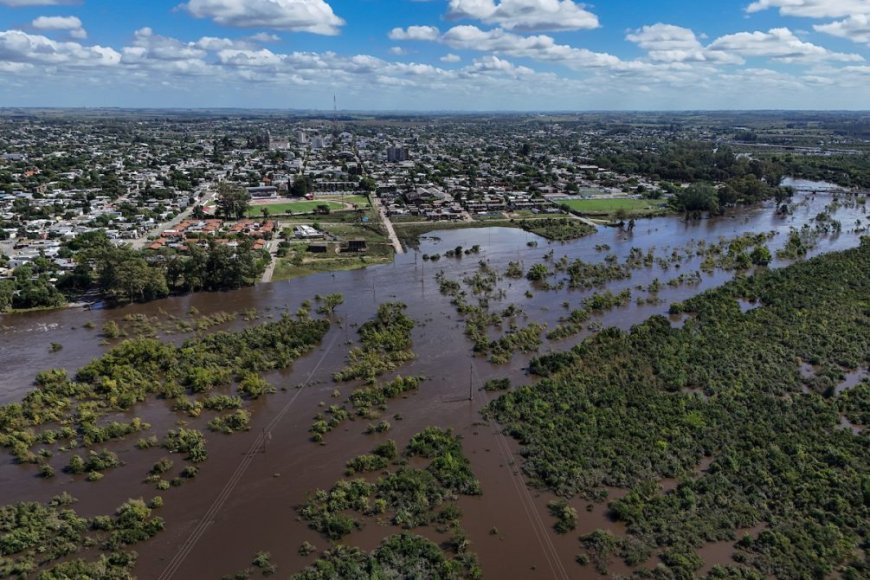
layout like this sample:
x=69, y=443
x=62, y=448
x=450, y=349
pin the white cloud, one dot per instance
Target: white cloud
x=57, y=22
x=779, y=44
x=526, y=15
x=489, y=64
x=669, y=43
x=214, y=44
x=19, y=47
x=265, y=37
x=813, y=8
x=414, y=33
x=450, y=58
x=150, y=46
x=250, y=58
x=315, y=16
x=538, y=47
x=397, y=51
x=72, y=24
x=855, y=28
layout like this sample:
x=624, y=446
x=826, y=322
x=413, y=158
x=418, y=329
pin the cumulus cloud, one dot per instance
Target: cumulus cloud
x=537, y=47
x=450, y=58
x=414, y=33
x=150, y=46
x=19, y=47
x=855, y=28
x=489, y=64
x=813, y=8
x=72, y=24
x=525, y=15
x=315, y=16
x=669, y=43
x=779, y=44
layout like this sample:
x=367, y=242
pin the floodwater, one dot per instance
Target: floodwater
x=240, y=505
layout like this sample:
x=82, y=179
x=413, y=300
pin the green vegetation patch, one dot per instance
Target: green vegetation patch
x=366, y=402
x=63, y=413
x=55, y=541
x=480, y=319
x=612, y=205
x=293, y=207
x=558, y=229
x=386, y=343
x=398, y=556
x=622, y=409
x=407, y=497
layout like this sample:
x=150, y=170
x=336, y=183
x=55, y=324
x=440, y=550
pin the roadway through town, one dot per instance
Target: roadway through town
x=391, y=232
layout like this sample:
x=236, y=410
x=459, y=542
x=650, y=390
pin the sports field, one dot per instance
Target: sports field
x=610, y=205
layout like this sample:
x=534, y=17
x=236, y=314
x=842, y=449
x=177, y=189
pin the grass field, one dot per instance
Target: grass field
x=292, y=206
x=360, y=200
x=609, y=206
x=305, y=206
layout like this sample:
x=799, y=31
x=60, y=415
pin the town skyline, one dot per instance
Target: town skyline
x=456, y=55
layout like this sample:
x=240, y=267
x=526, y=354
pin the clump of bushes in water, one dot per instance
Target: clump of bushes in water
x=379, y=458
x=398, y=556
x=478, y=319
x=514, y=270
x=188, y=441
x=263, y=562
x=558, y=229
x=494, y=385
x=55, y=541
x=566, y=516
x=365, y=402
x=411, y=497
x=607, y=300
x=96, y=462
x=386, y=343
x=571, y=326
x=526, y=340
x=240, y=420
x=626, y=400
x=142, y=368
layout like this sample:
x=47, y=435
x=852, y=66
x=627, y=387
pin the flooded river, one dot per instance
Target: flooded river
x=257, y=512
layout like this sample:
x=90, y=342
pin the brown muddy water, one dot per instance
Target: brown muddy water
x=244, y=499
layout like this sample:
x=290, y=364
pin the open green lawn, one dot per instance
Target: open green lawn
x=607, y=206
x=360, y=200
x=293, y=206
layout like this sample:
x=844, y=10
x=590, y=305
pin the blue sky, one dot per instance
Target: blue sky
x=437, y=54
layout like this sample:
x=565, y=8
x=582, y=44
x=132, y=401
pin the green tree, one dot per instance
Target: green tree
x=760, y=256
x=538, y=272
x=301, y=186
x=232, y=200
x=697, y=197
x=330, y=303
